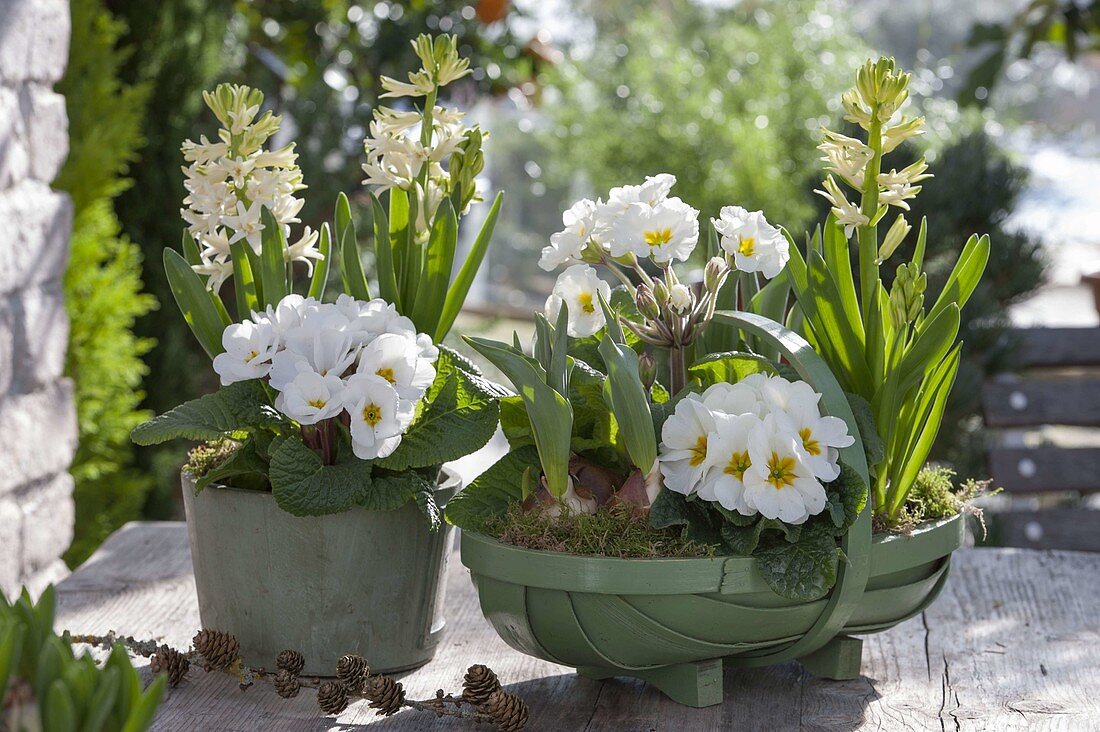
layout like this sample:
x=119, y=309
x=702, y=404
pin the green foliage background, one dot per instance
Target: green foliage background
x=728, y=100
x=103, y=288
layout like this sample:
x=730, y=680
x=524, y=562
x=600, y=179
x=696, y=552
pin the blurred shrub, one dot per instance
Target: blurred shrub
x=103, y=282
x=727, y=99
x=975, y=189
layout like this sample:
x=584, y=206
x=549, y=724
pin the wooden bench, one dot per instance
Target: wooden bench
x=1058, y=385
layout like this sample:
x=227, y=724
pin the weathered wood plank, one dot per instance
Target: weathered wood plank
x=1044, y=469
x=1045, y=347
x=1011, y=644
x=1030, y=402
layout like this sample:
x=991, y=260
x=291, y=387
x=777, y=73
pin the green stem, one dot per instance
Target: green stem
x=868, y=234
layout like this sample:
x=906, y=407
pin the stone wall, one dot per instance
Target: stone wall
x=37, y=416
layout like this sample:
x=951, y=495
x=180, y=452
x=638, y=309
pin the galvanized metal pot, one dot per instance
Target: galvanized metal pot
x=676, y=622
x=364, y=582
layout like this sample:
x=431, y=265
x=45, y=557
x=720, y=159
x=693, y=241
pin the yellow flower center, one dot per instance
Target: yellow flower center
x=317, y=403
x=747, y=246
x=699, y=452
x=738, y=464
x=372, y=414
x=585, y=299
x=252, y=355
x=780, y=471
x=812, y=446
x=658, y=237
x=386, y=374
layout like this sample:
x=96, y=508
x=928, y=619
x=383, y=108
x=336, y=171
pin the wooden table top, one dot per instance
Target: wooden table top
x=1012, y=643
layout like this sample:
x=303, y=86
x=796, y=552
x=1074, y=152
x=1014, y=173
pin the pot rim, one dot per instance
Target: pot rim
x=447, y=487
x=484, y=555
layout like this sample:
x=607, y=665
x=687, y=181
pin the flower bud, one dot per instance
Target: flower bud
x=907, y=294
x=681, y=299
x=647, y=370
x=894, y=237
x=715, y=274
x=647, y=305
x=660, y=292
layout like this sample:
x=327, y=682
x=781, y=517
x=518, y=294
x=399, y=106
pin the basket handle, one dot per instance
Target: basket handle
x=852, y=574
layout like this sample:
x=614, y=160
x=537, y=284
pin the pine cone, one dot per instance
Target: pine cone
x=352, y=671
x=507, y=711
x=286, y=683
x=332, y=697
x=218, y=649
x=478, y=684
x=386, y=695
x=291, y=661
x=170, y=661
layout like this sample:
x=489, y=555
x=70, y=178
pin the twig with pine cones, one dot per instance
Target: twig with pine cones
x=482, y=699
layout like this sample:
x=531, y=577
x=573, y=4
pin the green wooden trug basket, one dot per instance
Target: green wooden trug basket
x=676, y=623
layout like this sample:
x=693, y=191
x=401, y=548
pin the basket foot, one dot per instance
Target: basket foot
x=697, y=684
x=839, y=659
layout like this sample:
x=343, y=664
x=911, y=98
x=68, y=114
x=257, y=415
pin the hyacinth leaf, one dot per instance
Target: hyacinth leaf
x=558, y=369
x=922, y=429
x=191, y=254
x=320, y=269
x=629, y=403
x=458, y=415
x=835, y=326
x=922, y=237
x=460, y=287
x=273, y=280
x=550, y=412
x=194, y=303
x=612, y=328
x=770, y=302
x=190, y=249
x=234, y=408
x=834, y=246
x=964, y=277
x=436, y=274
x=383, y=255
x=244, y=284
x=11, y=643
x=492, y=492
x=351, y=267
x=928, y=349
x=414, y=257
x=543, y=344
x=729, y=367
x=145, y=703
x=399, y=234
x=60, y=710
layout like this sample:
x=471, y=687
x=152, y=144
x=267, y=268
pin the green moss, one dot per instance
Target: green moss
x=935, y=495
x=613, y=532
x=209, y=455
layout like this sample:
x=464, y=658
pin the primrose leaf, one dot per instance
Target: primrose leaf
x=803, y=571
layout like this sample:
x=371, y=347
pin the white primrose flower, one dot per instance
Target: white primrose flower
x=311, y=397
x=320, y=349
x=742, y=397
x=653, y=192
x=567, y=244
x=580, y=288
x=249, y=349
x=665, y=232
x=755, y=245
x=819, y=436
x=396, y=359
x=779, y=482
x=377, y=416
x=684, y=445
x=727, y=461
